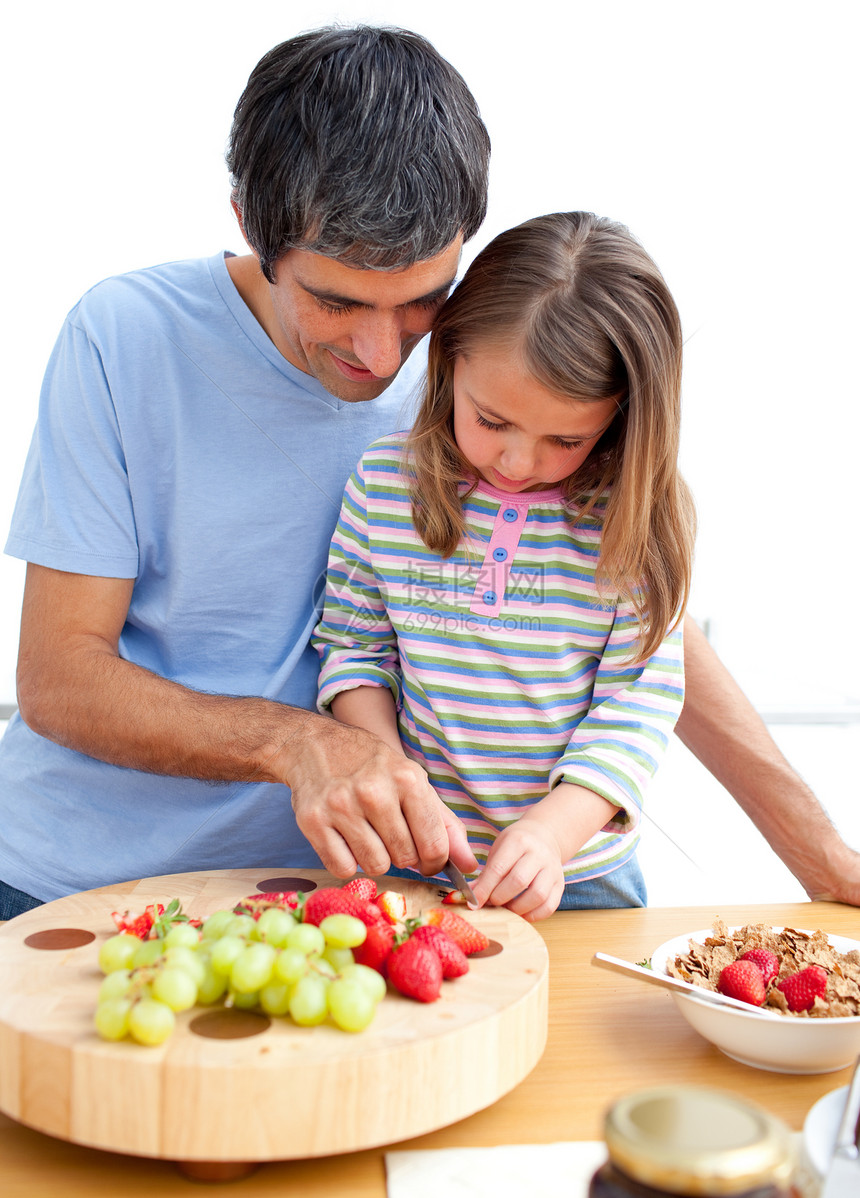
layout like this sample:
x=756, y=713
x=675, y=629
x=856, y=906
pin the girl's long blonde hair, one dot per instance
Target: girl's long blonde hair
x=589, y=312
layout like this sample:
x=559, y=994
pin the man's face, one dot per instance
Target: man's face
x=353, y=329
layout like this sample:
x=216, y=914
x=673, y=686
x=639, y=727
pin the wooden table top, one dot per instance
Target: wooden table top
x=607, y=1035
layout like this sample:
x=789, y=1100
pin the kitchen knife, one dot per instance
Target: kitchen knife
x=843, y=1175
x=458, y=881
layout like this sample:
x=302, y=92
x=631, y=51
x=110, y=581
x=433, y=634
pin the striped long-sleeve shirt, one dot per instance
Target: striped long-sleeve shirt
x=510, y=671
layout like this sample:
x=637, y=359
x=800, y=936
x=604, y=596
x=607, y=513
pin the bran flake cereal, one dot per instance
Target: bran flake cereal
x=702, y=965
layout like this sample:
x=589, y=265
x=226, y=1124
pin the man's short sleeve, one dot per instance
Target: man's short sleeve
x=74, y=509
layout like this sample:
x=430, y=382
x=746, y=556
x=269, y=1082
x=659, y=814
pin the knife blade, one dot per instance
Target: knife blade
x=843, y=1175
x=458, y=881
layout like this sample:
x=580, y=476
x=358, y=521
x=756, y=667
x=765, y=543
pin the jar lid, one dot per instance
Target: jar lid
x=690, y=1140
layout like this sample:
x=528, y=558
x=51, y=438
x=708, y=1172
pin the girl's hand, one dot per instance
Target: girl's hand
x=524, y=867
x=523, y=871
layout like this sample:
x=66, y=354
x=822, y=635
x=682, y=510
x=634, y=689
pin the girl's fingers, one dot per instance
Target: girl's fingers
x=541, y=899
x=506, y=875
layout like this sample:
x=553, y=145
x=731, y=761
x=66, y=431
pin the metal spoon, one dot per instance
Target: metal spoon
x=668, y=983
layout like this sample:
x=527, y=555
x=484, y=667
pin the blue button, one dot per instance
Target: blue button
x=510, y=514
x=490, y=598
x=500, y=554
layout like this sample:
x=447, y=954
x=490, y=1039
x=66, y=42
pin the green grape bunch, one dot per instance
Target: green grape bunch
x=259, y=956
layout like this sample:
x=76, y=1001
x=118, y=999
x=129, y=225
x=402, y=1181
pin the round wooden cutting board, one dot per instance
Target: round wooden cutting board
x=280, y=1092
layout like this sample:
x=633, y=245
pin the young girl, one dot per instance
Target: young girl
x=506, y=582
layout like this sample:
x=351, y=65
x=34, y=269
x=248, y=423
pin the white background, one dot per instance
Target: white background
x=724, y=135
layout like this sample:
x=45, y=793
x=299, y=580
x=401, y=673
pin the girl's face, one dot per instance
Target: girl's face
x=517, y=435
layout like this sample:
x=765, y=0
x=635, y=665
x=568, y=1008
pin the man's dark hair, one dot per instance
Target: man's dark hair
x=361, y=144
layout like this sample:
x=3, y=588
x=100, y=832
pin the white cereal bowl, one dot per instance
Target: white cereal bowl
x=780, y=1045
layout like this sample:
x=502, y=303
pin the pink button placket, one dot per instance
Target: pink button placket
x=496, y=566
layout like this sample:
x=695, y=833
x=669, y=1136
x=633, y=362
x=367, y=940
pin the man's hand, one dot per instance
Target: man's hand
x=363, y=805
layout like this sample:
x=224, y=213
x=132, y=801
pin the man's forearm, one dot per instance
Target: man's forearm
x=721, y=727
x=75, y=689
x=118, y=712
x=359, y=803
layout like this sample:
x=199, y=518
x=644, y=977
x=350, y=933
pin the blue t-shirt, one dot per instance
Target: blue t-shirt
x=176, y=446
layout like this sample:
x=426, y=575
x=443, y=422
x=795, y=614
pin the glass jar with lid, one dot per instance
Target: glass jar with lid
x=696, y=1143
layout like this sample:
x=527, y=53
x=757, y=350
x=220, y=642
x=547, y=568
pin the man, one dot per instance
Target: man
x=197, y=424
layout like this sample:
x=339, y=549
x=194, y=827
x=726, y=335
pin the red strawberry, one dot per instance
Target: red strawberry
x=454, y=898
x=416, y=971
x=456, y=928
x=363, y=888
x=767, y=962
x=743, y=980
x=802, y=989
x=134, y=925
x=138, y=925
x=256, y=904
x=377, y=946
x=332, y=900
x=392, y=904
x=454, y=963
